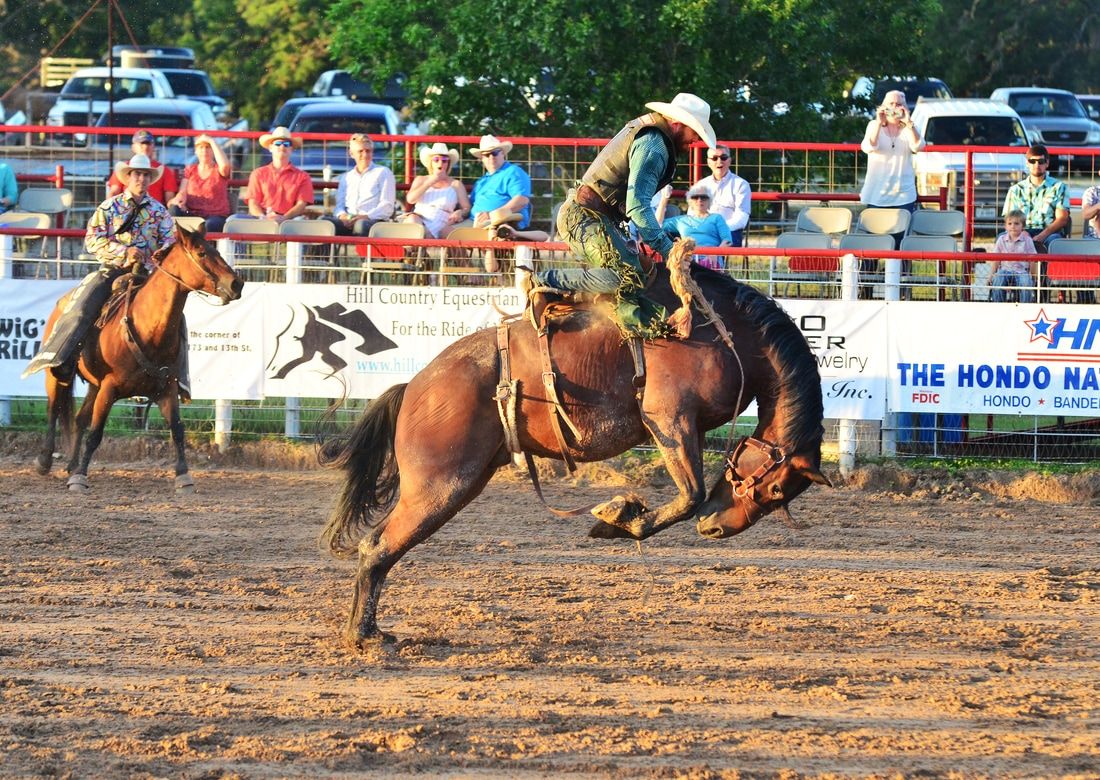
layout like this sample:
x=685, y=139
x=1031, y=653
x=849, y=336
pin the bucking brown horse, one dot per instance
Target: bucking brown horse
x=135, y=353
x=423, y=451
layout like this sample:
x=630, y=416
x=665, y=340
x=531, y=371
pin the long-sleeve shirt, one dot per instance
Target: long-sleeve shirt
x=152, y=229
x=730, y=197
x=710, y=230
x=648, y=160
x=371, y=193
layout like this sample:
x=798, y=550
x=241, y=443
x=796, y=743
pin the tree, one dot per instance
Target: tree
x=578, y=68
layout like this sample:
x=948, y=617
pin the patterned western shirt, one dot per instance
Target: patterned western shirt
x=151, y=229
x=1038, y=203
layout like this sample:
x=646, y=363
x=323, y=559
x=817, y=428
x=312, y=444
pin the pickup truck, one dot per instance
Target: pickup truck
x=85, y=95
x=195, y=84
x=175, y=114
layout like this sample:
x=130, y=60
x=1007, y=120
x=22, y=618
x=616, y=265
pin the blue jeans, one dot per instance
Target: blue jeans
x=1004, y=278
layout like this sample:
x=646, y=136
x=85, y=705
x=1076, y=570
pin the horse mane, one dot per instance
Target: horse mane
x=795, y=363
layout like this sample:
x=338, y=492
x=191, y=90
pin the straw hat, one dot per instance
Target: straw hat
x=204, y=139
x=690, y=110
x=490, y=143
x=279, y=134
x=428, y=152
x=503, y=216
x=139, y=162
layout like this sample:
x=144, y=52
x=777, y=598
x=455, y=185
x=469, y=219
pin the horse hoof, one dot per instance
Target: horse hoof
x=184, y=484
x=43, y=464
x=373, y=641
x=602, y=530
x=78, y=483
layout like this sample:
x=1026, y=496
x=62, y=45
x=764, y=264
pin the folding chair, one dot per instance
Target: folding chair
x=939, y=245
x=823, y=219
x=470, y=260
x=803, y=268
x=245, y=253
x=321, y=228
x=928, y=222
x=54, y=201
x=407, y=230
x=868, y=266
x=1084, y=278
x=882, y=221
x=190, y=223
x=28, y=221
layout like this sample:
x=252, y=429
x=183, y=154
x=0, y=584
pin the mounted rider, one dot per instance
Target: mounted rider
x=123, y=234
x=617, y=190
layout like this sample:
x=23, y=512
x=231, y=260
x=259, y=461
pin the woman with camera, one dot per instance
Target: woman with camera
x=889, y=143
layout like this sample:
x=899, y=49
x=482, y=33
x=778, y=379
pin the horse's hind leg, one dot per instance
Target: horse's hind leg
x=169, y=405
x=422, y=509
x=59, y=409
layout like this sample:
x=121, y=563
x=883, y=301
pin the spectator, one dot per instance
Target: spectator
x=1090, y=211
x=366, y=194
x=730, y=195
x=123, y=233
x=9, y=190
x=164, y=187
x=1016, y=273
x=618, y=188
x=439, y=201
x=890, y=142
x=1043, y=199
x=504, y=185
x=701, y=225
x=278, y=190
x=204, y=191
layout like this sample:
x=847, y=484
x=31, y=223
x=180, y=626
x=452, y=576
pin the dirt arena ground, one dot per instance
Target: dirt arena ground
x=923, y=626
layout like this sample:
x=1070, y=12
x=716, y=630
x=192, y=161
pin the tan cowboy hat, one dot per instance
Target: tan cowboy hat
x=139, y=162
x=204, y=139
x=279, y=134
x=491, y=143
x=690, y=110
x=428, y=152
x=503, y=216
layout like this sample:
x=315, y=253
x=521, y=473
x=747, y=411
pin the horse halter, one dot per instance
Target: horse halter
x=194, y=260
x=747, y=488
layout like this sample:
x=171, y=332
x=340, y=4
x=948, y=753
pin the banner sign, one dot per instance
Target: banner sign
x=24, y=308
x=1032, y=359
x=225, y=346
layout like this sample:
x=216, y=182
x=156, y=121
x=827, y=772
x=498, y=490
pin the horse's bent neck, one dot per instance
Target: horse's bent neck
x=157, y=307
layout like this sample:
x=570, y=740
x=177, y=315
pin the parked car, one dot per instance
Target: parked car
x=342, y=118
x=340, y=83
x=969, y=122
x=195, y=84
x=157, y=115
x=1053, y=117
x=867, y=93
x=288, y=110
x=85, y=95
x=1091, y=104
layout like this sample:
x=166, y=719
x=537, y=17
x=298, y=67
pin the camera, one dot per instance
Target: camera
x=893, y=113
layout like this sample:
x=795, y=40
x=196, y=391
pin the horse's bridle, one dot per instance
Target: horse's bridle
x=747, y=488
x=159, y=265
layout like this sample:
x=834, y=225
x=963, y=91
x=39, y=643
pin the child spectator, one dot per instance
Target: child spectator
x=1017, y=273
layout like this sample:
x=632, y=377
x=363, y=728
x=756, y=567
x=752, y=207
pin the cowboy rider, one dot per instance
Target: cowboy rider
x=618, y=189
x=123, y=233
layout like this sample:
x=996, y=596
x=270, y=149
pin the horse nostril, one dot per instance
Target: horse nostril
x=237, y=287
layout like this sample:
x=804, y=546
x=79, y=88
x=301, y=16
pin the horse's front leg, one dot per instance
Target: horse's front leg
x=101, y=403
x=169, y=405
x=681, y=446
x=80, y=427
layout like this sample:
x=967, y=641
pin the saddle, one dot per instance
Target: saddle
x=122, y=287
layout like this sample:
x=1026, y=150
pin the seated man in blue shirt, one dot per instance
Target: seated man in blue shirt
x=504, y=185
x=701, y=225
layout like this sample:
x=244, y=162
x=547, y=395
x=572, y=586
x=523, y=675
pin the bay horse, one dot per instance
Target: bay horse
x=423, y=450
x=134, y=353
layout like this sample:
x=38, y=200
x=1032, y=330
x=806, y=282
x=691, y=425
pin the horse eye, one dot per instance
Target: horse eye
x=777, y=490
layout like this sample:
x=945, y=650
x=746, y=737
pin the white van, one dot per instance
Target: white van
x=969, y=122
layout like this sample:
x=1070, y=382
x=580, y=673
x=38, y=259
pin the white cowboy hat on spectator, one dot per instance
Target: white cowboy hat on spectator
x=438, y=148
x=139, y=162
x=279, y=134
x=503, y=216
x=490, y=143
x=690, y=110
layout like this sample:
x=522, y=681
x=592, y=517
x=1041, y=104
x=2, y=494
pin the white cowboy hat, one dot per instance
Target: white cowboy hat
x=490, y=143
x=503, y=216
x=279, y=134
x=428, y=152
x=690, y=110
x=139, y=162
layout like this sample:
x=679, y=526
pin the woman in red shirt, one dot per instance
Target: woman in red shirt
x=204, y=191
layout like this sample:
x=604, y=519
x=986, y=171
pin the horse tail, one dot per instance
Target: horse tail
x=365, y=453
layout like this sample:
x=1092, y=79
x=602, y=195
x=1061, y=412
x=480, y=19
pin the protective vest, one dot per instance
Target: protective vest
x=609, y=172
